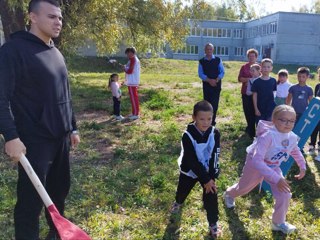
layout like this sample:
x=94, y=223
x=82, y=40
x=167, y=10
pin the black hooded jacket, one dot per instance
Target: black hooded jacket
x=35, y=98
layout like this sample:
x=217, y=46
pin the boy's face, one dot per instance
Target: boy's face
x=302, y=78
x=254, y=72
x=203, y=120
x=266, y=68
x=282, y=78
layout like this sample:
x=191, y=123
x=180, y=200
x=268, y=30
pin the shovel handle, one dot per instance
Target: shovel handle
x=35, y=181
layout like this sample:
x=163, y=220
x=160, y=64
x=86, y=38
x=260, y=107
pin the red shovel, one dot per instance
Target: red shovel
x=66, y=229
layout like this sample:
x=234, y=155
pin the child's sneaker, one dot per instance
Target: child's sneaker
x=215, y=230
x=285, y=227
x=119, y=118
x=229, y=201
x=134, y=117
x=175, y=208
x=311, y=150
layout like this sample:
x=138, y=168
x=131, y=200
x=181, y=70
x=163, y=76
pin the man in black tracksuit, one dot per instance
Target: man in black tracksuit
x=36, y=116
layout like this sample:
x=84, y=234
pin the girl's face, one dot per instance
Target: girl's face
x=254, y=72
x=115, y=78
x=282, y=79
x=203, y=120
x=284, y=121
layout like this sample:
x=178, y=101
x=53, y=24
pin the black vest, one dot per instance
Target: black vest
x=210, y=67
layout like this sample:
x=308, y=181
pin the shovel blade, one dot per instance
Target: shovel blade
x=66, y=229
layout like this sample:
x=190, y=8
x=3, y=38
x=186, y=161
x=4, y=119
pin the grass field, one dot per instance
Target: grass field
x=124, y=175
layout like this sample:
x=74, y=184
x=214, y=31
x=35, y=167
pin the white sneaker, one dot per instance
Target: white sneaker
x=311, y=150
x=285, y=227
x=134, y=117
x=228, y=201
x=119, y=118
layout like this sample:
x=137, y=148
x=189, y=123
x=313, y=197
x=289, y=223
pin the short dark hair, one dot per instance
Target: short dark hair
x=34, y=4
x=130, y=49
x=303, y=70
x=283, y=73
x=203, y=105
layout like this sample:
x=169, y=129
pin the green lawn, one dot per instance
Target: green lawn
x=124, y=175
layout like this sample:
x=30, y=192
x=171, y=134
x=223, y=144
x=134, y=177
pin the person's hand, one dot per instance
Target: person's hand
x=283, y=185
x=210, y=186
x=301, y=174
x=212, y=82
x=75, y=140
x=14, y=149
x=257, y=113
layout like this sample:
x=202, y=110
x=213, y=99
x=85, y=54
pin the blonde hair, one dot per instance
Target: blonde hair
x=282, y=108
x=252, y=50
x=256, y=66
x=266, y=60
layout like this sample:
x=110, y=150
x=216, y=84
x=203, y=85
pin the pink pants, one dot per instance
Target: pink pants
x=250, y=179
x=133, y=92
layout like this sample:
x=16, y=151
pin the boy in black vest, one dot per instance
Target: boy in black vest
x=199, y=162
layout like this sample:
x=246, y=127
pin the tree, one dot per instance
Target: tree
x=12, y=16
x=316, y=6
x=146, y=24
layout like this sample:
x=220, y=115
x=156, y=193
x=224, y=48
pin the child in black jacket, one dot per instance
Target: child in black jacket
x=199, y=162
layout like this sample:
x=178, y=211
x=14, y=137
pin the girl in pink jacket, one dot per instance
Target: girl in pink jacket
x=274, y=144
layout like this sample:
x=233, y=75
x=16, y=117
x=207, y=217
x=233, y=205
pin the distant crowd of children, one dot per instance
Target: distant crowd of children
x=277, y=105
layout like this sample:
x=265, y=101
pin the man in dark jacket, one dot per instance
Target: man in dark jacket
x=211, y=72
x=36, y=116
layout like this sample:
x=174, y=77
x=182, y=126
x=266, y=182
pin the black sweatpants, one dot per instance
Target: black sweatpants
x=212, y=95
x=248, y=109
x=50, y=161
x=314, y=135
x=210, y=200
x=116, y=106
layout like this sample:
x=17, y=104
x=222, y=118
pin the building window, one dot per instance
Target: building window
x=189, y=49
x=195, y=31
x=221, y=51
x=273, y=28
x=237, y=33
x=238, y=51
x=216, y=32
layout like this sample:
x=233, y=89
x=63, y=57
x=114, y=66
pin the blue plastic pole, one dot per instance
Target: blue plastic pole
x=304, y=128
